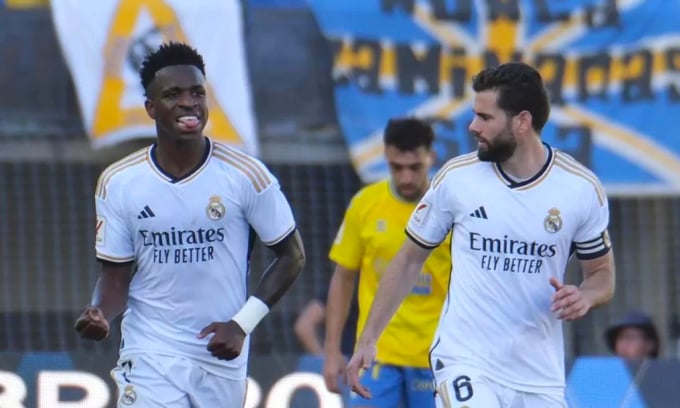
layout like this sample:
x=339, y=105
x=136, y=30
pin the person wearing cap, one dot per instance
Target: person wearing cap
x=633, y=337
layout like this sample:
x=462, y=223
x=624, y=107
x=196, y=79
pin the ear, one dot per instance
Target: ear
x=150, y=108
x=524, y=119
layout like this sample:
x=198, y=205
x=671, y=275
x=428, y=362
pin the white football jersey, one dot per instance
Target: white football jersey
x=509, y=238
x=191, y=239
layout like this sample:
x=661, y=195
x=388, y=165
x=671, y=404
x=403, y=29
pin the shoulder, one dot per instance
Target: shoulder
x=579, y=175
x=119, y=171
x=456, y=166
x=370, y=193
x=250, y=169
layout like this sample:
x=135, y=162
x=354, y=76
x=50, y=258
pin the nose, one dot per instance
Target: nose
x=187, y=100
x=406, y=177
x=474, y=126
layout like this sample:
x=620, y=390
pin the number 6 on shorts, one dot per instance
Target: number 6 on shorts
x=463, y=391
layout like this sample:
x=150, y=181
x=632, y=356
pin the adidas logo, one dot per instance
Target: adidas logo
x=146, y=213
x=479, y=213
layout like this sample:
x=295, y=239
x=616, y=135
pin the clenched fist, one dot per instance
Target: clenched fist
x=92, y=324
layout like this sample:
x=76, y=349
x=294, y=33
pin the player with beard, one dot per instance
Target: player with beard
x=518, y=210
x=370, y=235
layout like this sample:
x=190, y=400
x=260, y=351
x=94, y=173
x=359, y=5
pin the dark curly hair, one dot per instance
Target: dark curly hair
x=520, y=88
x=169, y=54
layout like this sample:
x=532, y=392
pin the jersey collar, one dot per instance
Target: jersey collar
x=532, y=181
x=153, y=162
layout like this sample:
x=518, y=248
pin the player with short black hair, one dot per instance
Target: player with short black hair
x=370, y=235
x=183, y=212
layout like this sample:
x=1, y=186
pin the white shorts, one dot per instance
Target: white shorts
x=153, y=381
x=458, y=386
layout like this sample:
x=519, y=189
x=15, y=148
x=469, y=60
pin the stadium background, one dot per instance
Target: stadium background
x=48, y=173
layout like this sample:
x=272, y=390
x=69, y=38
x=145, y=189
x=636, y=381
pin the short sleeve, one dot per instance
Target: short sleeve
x=347, y=250
x=592, y=238
x=433, y=217
x=268, y=211
x=113, y=240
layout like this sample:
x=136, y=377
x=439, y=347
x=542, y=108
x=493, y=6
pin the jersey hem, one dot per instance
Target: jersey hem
x=387, y=362
x=215, y=370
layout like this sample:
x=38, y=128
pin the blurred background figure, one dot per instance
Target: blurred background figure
x=308, y=327
x=633, y=337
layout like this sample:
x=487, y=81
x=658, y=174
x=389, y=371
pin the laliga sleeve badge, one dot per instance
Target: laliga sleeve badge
x=553, y=222
x=129, y=395
x=100, y=230
x=420, y=214
x=215, y=209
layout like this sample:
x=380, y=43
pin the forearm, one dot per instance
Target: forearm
x=309, y=340
x=597, y=289
x=111, y=296
x=278, y=277
x=337, y=309
x=395, y=285
x=599, y=282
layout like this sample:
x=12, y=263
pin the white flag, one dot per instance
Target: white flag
x=104, y=43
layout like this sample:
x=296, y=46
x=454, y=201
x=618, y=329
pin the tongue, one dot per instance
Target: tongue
x=189, y=122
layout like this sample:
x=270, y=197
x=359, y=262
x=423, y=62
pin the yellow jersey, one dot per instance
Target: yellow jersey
x=371, y=234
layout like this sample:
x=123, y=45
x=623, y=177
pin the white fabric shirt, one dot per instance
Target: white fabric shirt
x=191, y=239
x=509, y=239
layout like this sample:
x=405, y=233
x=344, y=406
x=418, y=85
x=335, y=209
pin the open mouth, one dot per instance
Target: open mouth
x=189, y=122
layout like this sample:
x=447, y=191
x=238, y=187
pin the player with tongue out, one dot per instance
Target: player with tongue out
x=174, y=234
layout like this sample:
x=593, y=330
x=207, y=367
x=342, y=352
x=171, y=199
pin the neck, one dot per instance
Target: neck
x=179, y=157
x=527, y=160
x=396, y=193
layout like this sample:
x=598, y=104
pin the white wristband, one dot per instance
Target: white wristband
x=250, y=314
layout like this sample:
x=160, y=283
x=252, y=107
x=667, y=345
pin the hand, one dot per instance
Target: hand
x=362, y=359
x=568, y=301
x=334, y=371
x=92, y=324
x=227, y=342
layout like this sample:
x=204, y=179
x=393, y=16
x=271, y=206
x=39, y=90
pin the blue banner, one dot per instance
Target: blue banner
x=612, y=69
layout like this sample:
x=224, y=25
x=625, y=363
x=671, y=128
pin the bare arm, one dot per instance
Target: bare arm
x=282, y=272
x=227, y=342
x=337, y=307
x=109, y=300
x=111, y=290
x=310, y=318
x=340, y=294
x=599, y=279
x=571, y=302
x=395, y=284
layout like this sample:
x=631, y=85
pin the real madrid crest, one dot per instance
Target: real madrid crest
x=129, y=395
x=215, y=209
x=553, y=222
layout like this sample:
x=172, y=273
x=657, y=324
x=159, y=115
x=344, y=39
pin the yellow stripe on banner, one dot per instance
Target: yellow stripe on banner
x=635, y=148
x=503, y=36
x=26, y=4
x=424, y=18
x=374, y=152
x=555, y=33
